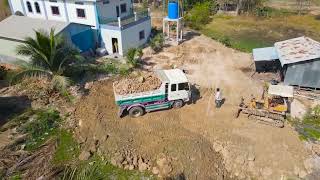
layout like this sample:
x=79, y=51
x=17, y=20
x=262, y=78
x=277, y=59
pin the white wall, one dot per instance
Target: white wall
x=16, y=5
x=90, y=13
x=127, y=38
x=130, y=36
x=62, y=10
x=106, y=36
x=34, y=14
x=109, y=10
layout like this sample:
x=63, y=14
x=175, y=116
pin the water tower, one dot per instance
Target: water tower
x=172, y=23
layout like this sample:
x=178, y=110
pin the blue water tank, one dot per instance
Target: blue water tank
x=173, y=10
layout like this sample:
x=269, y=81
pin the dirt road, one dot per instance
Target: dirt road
x=203, y=142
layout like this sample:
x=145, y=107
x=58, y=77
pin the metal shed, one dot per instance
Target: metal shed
x=300, y=60
x=266, y=59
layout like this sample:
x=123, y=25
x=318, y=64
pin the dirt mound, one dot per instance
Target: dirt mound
x=150, y=137
x=146, y=82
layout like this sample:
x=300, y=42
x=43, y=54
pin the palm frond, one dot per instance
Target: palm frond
x=29, y=71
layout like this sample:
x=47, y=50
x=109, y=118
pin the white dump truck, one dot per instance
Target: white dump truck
x=174, y=92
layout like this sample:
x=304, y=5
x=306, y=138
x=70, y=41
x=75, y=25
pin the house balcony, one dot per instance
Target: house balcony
x=121, y=23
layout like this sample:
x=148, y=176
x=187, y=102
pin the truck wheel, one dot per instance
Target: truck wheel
x=177, y=104
x=136, y=111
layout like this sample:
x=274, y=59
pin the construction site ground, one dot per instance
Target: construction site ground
x=202, y=141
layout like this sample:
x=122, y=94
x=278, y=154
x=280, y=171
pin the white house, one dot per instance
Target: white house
x=115, y=25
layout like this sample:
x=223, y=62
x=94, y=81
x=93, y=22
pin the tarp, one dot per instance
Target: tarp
x=265, y=54
x=281, y=90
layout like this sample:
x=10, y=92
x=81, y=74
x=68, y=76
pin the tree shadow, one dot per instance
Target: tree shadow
x=14, y=105
x=190, y=35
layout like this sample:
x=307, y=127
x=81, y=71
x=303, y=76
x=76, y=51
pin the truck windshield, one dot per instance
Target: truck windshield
x=183, y=86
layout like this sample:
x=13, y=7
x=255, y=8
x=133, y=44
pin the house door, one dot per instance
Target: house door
x=115, y=45
x=118, y=11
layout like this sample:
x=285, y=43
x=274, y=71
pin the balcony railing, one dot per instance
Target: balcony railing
x=124, y=21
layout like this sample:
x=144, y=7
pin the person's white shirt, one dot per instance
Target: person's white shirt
x=218, y=96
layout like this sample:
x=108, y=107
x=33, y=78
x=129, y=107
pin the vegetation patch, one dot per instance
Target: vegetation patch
x=246, y=32
x=40, y=127
x=309, y=126
x=98, y=168
x=67, y=148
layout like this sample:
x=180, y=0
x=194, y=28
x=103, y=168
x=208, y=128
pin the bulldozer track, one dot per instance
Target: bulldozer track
x=265, y=117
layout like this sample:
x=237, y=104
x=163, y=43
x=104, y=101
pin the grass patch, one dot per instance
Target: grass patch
x=42, y=125
x=246, y=32
x=309, y=127
x=67, y=149
x=98, y=168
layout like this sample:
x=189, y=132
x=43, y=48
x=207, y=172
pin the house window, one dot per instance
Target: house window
x=173, y=87
x=55, y=10
x=123, y=8
x=29, y=6
x=36, y=5
x=79, y=3
x=141, y=35
x=81, y=13
x=106, y=2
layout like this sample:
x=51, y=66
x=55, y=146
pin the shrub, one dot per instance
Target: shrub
x=226, y=41
x=157, y=42
x=124, y=71
x=199, y=15
x=133, y=56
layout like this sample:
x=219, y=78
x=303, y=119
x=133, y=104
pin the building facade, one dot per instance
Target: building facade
x=115, y=25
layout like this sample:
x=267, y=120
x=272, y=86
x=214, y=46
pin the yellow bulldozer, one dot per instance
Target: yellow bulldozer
x=273, y=107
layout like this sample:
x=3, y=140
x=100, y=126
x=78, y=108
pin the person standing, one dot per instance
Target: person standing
x=218, y=98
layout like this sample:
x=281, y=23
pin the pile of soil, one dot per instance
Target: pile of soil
x=146, y=82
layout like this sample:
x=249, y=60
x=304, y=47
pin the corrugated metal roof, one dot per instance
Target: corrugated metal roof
x=297, y=50
x=20, y=27
x=265, y=54
x=305, y=74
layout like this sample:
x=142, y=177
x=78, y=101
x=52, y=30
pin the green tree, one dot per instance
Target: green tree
x=157, y=42
x=199, y=15
x=133, y=56
x=50, y=57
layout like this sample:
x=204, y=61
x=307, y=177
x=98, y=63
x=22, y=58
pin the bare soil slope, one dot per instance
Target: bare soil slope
x=203, y=142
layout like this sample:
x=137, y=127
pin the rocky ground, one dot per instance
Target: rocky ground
x=197, y=141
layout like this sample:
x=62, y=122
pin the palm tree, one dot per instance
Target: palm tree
x=50, y=57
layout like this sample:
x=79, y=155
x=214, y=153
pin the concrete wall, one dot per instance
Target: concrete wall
x=16, y=5
x=67, y=9
x=90, y=13
x=34, y=14
x=61, y=5
x=127, y=38
x=109, y=10
x=107, y=33
x=130, y=36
